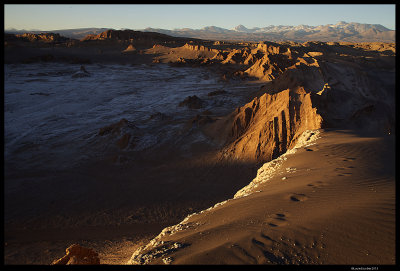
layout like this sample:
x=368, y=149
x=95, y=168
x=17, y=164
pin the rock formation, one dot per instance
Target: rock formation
x=198, y=48
x=43, y=37
x=81, y=73
x=192, y=102
x=121, y=133
x=267, y=126
x=129, y=49
x=131, y=36
x=78, y=255
x=308, y=86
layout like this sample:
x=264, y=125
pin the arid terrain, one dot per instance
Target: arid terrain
x=343, y=31
x=285, y=156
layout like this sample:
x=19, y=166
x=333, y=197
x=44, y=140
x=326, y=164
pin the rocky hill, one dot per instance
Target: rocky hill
x=77, y=33
x=126, y=35
x=309, y=85
x=40, y=37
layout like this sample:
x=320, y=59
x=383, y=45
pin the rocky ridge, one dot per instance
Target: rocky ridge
x=112, y=35
x=40, y=38
x=308, y=86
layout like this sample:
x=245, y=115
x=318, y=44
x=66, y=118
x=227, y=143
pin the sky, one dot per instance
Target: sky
x=175, y=16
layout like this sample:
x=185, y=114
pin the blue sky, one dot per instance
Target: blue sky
x=54, y=17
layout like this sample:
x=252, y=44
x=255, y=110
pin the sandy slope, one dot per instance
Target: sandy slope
x=329, y=203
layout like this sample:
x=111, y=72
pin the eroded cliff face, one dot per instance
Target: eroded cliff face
x=267, y=126
x=308, y=86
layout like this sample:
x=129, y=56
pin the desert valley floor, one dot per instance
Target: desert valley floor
x=151, y=149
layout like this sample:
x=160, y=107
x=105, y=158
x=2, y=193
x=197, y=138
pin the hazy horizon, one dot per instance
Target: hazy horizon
x=173, y=16
x=9, y=29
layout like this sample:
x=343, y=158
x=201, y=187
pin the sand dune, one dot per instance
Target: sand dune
x=329, y=203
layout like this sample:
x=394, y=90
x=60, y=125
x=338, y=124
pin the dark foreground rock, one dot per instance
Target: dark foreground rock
x=76, y=254
x=193, y=102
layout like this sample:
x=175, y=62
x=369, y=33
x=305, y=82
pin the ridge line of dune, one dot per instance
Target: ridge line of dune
x=264, y=174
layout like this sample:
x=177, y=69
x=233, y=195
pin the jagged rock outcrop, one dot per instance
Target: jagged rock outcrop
x=268, y=61
x=309, y=86
x=43, y=37
x=129, y=49
x=121, y=133
x=347, y=78
x=192, y=102
x=81, y=73
x=195, y=47
x=78, y=255
x=269, y=125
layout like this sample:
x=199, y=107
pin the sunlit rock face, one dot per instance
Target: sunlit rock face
x=309, y=86
x=269, y=125
x=43, y=37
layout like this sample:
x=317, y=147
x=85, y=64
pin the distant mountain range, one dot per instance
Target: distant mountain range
x=78, y=33
x=342, y=31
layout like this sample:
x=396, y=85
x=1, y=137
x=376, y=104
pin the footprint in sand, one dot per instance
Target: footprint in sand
x=349, y=159
x=276, y=220
x=345, y=174
x=317, y=184
x=298, y=197
x=269, y=239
